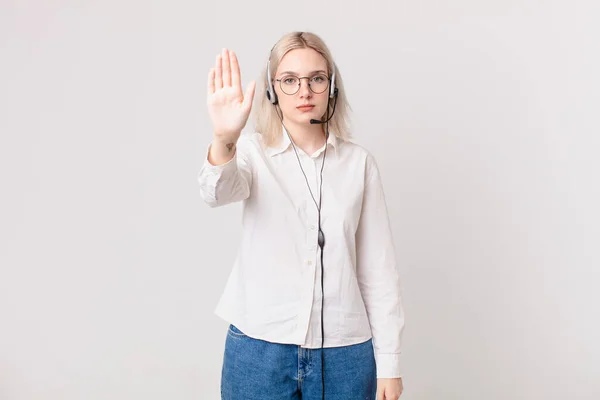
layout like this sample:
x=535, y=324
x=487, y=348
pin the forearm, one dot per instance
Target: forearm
x=225, y=175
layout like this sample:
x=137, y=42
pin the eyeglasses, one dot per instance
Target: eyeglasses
x=290, y=84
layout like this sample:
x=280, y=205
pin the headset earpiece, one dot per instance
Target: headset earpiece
x=271, y=95
x=333, y=90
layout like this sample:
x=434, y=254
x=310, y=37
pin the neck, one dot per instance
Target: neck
x=309, y=138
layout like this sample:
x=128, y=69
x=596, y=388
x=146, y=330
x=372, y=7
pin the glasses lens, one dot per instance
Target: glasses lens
x=319, y=83
x=290, y=84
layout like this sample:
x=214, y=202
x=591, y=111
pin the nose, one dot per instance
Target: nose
x=304, y=90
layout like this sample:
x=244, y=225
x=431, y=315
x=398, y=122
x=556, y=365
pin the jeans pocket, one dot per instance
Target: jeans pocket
x=233, y=330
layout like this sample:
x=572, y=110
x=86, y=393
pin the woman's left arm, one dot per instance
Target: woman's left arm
x=378, y=277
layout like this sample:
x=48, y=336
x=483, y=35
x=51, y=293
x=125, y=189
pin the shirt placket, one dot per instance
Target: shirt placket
x=310, y=261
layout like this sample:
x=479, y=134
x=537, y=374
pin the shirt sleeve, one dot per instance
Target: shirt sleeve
x=226, y=183
x=378, y=275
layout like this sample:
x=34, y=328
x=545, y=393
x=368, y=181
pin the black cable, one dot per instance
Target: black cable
x=322, y=244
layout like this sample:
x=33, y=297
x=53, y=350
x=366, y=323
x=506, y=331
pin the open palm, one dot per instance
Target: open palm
x=228, y=107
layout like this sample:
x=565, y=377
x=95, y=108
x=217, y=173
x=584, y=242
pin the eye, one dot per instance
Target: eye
x=289, y=80
x=318, y=79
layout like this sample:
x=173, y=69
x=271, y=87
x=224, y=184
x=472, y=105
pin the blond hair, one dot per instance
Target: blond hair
x=267, y=120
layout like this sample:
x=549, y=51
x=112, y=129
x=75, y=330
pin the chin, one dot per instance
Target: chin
x=308, y=116
x=303, y=118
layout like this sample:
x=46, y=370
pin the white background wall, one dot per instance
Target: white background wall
x=483, y=116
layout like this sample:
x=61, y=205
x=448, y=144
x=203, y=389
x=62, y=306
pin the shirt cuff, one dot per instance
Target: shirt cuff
x=212, y=174
x=388, y=365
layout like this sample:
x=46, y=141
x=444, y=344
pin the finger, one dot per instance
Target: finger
x=236, y=80
x=211, y=81
x=379, y=395
x=226, y=69
x=249, y=95
x=218, y=73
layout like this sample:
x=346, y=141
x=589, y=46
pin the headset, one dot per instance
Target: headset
x=333, y=94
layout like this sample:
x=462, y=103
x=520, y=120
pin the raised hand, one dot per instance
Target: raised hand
x=228, y=107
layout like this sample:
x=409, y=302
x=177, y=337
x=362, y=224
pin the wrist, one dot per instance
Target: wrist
x=224, y=145
x=221, y=151
x=225, y=138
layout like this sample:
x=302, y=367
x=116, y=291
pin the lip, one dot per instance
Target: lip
x=305, y=107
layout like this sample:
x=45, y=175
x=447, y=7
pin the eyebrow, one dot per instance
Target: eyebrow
x=295, y=73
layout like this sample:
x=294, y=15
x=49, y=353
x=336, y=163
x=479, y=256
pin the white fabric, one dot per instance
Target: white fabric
x=274, y=289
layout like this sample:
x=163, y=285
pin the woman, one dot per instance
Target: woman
x=313, y=299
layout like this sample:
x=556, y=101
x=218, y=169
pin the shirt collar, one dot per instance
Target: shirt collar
x=285, y=143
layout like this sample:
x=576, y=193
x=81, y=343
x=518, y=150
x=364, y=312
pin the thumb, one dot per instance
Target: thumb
x=249, y=95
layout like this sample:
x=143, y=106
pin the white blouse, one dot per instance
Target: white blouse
x=274, y=290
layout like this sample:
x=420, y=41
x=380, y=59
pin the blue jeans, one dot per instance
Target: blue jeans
x=255, y=369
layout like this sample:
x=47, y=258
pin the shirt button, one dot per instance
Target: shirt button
x=309, y=262
x=312, y=227
x=313, y=248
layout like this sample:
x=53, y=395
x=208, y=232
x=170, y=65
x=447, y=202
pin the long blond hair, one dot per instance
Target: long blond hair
x=267, y=120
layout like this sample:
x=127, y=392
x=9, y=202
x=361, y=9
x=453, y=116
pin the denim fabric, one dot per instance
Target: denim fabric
x=255, y=369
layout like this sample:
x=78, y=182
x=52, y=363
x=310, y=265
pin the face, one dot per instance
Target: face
x=302, y=63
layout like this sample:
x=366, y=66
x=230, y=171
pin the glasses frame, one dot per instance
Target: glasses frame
x=300, y=83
